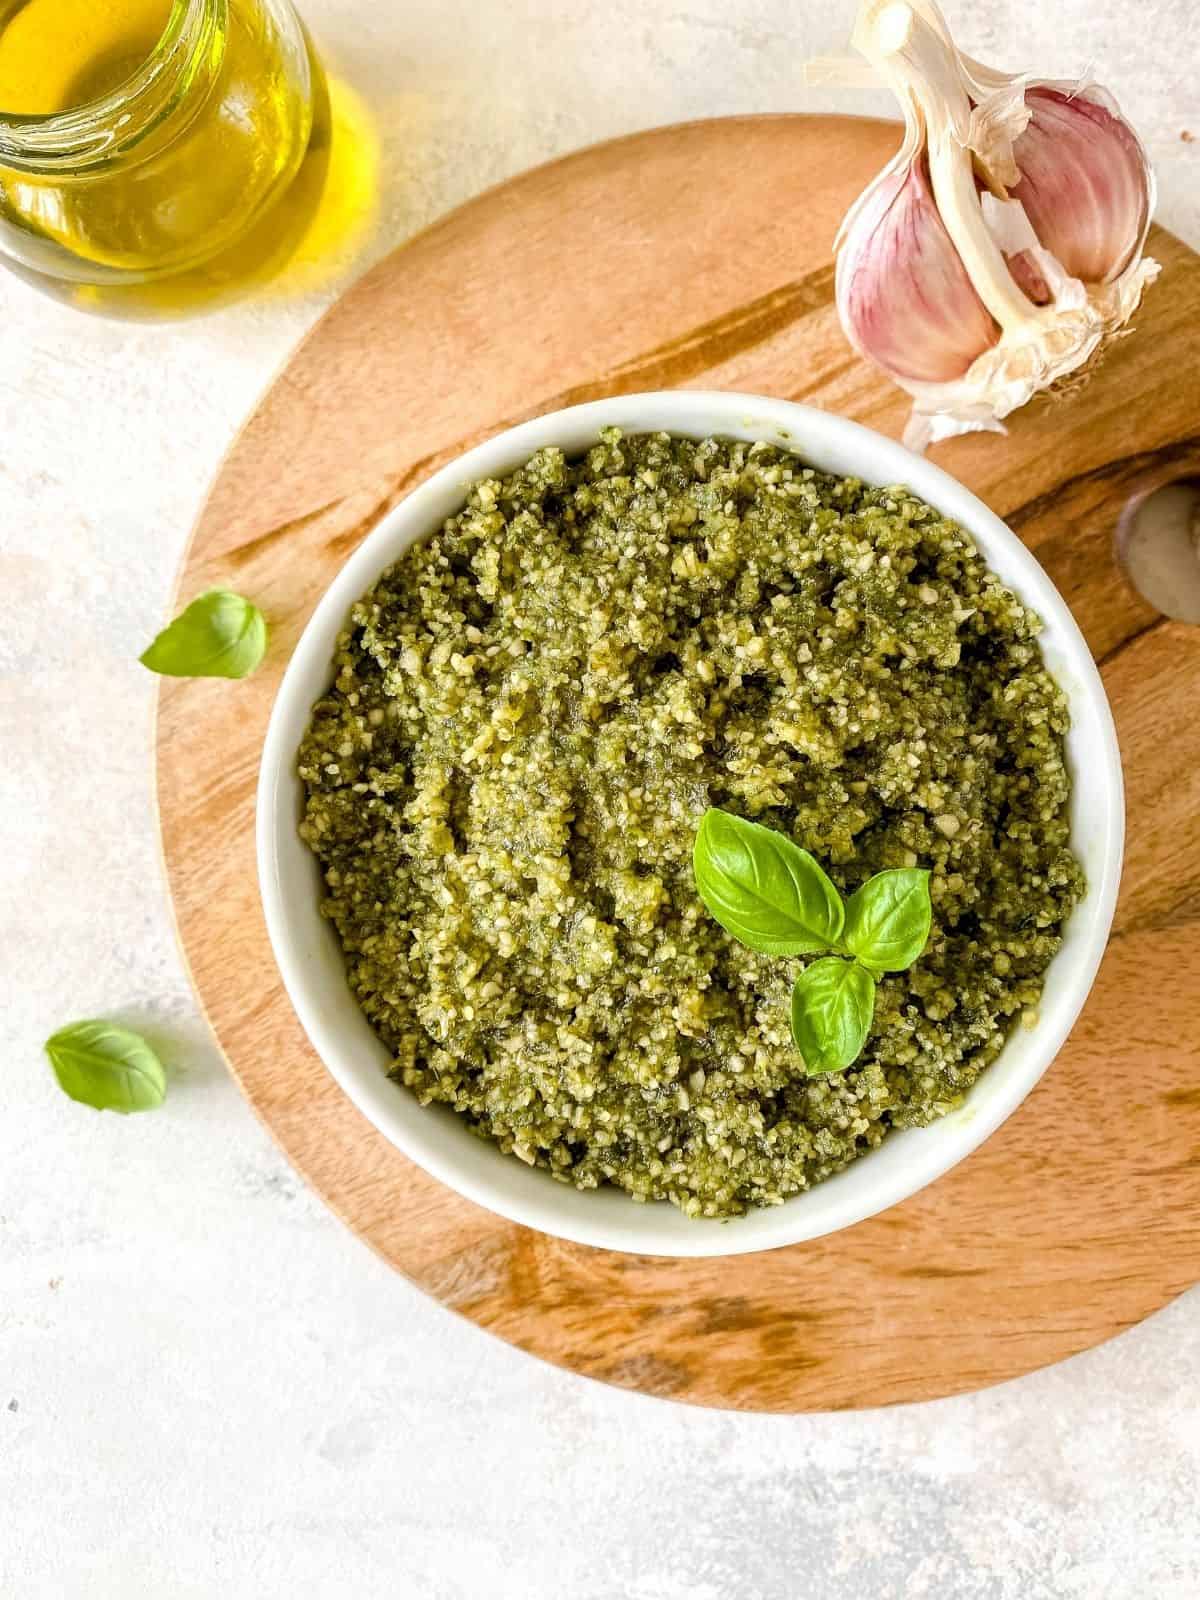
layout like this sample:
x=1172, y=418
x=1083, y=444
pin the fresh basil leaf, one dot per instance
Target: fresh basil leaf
x=220, y=635
x=107, y=1067
x=887, y=920
x=763, y=889
x=833, y=1002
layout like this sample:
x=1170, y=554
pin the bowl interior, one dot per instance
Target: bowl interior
x=310, y=959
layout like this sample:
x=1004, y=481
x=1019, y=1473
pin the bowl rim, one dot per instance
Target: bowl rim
x=695, y=413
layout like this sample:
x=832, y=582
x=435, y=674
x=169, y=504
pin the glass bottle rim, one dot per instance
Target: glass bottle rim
x=100, y=132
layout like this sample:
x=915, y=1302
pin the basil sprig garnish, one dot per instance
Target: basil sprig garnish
x=776, y=898
x=887, y=920
x=220, y=635
x=833, y=1002
x=763, y=889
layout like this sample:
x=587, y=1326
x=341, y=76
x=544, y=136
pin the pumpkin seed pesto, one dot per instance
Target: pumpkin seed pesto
x=533, y=710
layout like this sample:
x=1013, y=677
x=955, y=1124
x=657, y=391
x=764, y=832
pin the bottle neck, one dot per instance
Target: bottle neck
x=135, y=119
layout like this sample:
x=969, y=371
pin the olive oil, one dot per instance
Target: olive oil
x=56, y=55
x=140, y=138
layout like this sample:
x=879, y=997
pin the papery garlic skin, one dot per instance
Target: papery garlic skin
x=1040, y=192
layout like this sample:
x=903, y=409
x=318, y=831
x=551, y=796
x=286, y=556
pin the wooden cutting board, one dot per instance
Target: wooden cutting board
x=700, y=256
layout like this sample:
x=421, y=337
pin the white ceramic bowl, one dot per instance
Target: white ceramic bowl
x=311, y=963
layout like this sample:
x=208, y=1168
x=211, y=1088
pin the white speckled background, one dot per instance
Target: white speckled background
x=207, y=1386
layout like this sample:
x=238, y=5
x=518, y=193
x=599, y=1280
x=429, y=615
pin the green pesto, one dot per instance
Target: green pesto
x=533, y=710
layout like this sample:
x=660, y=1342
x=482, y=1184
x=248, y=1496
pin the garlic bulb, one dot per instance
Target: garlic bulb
x=1002, y=245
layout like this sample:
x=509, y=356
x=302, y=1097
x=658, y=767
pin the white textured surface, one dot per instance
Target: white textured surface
x=207, y=1387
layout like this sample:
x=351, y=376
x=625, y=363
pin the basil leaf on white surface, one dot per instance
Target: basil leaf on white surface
x=107, y=1067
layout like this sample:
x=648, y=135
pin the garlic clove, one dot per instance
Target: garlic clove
x=903, y=294
x=1084, y=183
x=1029, y=278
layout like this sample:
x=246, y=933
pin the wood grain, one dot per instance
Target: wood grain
x=700, y=256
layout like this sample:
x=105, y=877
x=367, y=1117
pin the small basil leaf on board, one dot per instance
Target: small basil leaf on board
x=110, y=1068
x=220, y=635
x=833, y=1002
x=763, y=889
x=888, y=919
